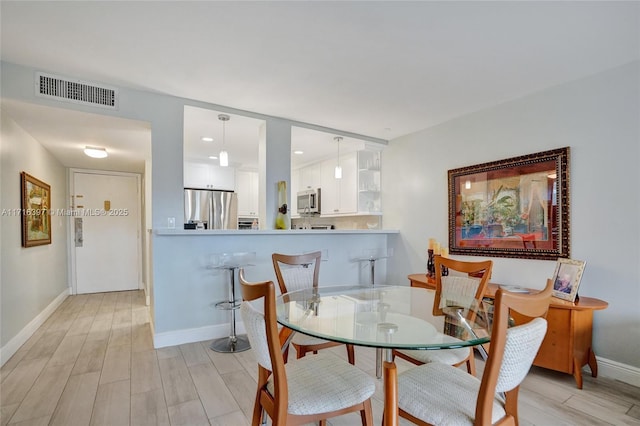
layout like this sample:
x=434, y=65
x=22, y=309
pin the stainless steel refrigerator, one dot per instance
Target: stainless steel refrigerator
x=210, y=209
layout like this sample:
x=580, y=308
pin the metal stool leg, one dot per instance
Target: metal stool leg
x=372, y=268
x=232, y=343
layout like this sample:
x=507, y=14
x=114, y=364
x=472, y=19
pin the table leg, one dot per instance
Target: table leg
x=390, y=391
x=378, y=363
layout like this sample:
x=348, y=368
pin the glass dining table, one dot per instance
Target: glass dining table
x=386, y=317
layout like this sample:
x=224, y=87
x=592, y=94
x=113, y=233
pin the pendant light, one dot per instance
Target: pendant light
x=224, y=155
x=337, y=173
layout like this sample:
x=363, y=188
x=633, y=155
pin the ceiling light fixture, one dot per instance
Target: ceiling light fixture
x=298, y=152
x=207, y=139
x=224, y=155
x=337, y=173
x=213, y=157
x=95, y=152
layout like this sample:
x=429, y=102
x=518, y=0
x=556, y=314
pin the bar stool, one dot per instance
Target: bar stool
x=231, y=262
x=371, y=256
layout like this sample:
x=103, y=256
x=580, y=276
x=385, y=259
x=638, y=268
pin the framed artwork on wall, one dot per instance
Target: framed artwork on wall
x=35, y=215
x=517, y=207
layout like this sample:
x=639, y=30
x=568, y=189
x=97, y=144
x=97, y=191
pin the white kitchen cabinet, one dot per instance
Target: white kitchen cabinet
x=358, y=192
x=339, y=196
x=310, y=177
x=207, y=176
x=247, y=190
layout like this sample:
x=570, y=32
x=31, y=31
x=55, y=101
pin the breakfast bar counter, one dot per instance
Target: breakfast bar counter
x=185, y=288
x=253, y=232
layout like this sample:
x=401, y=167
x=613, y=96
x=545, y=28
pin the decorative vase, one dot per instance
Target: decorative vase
x=283, y=220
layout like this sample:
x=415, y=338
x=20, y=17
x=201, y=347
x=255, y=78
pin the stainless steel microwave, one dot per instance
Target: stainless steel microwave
x=309, y=201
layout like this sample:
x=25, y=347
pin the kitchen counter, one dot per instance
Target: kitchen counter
x=255, y=233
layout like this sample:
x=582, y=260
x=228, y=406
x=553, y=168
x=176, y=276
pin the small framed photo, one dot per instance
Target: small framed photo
x=566, y=279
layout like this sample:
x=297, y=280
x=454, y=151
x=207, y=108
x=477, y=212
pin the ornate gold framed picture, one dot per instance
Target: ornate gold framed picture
x=517, y=207
x=35, y=205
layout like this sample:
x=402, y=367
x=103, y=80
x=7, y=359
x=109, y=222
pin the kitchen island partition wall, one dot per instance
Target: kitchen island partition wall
x=185, y=287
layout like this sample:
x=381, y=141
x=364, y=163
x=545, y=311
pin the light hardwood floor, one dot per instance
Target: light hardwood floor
x=93, y=363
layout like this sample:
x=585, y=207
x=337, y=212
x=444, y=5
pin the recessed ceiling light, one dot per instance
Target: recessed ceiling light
x=207, y=139
x=213, y=157
x=298, y=152
x=95, y=152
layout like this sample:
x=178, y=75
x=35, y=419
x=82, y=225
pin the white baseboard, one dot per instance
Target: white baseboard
x=192, y=335
x=147, y=297
x=14, y=344
x=618, y=371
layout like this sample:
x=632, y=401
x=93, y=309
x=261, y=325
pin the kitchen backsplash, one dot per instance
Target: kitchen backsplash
x=342, y=222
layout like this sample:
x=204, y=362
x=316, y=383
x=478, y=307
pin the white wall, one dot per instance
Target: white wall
x=598, y=118
x=32, y=278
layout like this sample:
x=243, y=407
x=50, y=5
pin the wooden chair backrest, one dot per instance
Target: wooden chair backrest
x=528, y=306
x=477, y=270
x=266, y=290
x=303, y=260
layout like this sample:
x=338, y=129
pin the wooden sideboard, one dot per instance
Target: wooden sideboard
x=567, y=345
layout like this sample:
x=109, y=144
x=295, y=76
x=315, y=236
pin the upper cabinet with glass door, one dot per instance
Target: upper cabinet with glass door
x=369, y=181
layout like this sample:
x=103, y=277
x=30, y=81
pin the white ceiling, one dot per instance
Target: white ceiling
x=381, y=69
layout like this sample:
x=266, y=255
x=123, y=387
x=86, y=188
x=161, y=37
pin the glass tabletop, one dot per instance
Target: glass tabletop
x=392, y=317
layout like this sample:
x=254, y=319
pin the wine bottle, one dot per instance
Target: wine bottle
x=283, y=220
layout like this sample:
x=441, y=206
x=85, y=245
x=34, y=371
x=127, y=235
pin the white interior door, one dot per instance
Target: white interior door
x=107, y=232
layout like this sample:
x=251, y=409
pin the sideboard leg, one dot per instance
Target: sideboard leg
x=577, y=372
x=593, y=364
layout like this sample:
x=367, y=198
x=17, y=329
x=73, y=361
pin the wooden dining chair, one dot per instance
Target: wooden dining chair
x=298, y=272
x=314, y=388
x=464, y=285
x=436, y=393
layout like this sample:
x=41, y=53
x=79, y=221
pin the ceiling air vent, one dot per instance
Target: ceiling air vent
x=78, y=92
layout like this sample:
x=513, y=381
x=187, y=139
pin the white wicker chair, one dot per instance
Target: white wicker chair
x=439, y=394
x=310, y=389
x=464, y=290
x=299, y=272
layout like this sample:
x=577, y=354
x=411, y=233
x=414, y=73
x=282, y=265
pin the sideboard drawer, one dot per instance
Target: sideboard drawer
x=555, y=351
